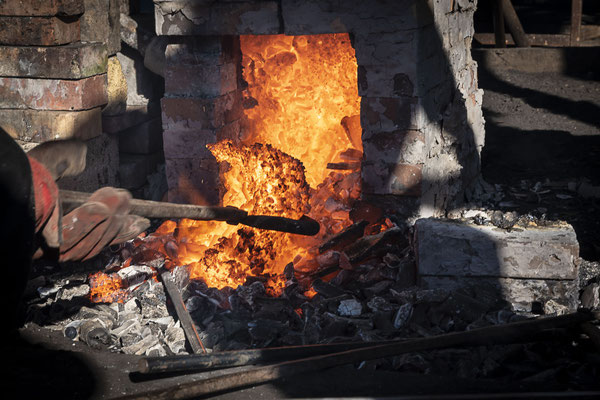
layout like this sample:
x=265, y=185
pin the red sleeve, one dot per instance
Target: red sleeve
x=45, y=193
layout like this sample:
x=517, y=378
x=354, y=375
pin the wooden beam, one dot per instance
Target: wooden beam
x=514, y=25
x=576, y=11
x=499, y=32
x=539, y=40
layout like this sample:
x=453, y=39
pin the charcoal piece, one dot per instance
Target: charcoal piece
x=342, y=278
x=288, y=271
x=133, y=305
x=264, y=331
x=431, y=295
x=130, y=326
x=201, y=309
x=504, y=220
x=213, y=334
x=326, y=289
x=553, y=307
x=130, y=339
x=350, y=308
x=403, y=315
x=377, y=288
x=590, y=298
x=141, y=346
x=156, y=351
x=162, y=322
x=94, y=334
x=337, y=329
x=101, y=314
x=383, y=321
x=175, y=339
x=249, y=293
x=292, y=338
x=377, y=304
x=68, y=293
x=271, y=308
x=369, y=245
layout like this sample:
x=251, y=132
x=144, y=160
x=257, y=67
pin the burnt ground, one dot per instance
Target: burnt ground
x=544, y=128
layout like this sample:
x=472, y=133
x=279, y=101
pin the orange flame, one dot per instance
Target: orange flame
x=302, y=112
x=106, y=288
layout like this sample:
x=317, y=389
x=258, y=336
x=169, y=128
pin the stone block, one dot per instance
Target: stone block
x=41, y=126
x=200, y=80
x=102, y=166
x=402, y=146
x=38, y=31
x=72, y=61
x=135, y=168
x=38, y=8
x=101, y=23
x=188, y=144
x=193, y=181
x=53, y=94
x=387, y=178
x=388, y=114
x=145, y=138
x=453, y=248
x=133, y=115
x=116, y=89
x=315, y=16
x=524, y=295
x=217, y=18
x=195, y=113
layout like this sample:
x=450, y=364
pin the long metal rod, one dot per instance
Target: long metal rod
x=182, y=313
x=232, y=215
x=196, y=362
x=507, y=333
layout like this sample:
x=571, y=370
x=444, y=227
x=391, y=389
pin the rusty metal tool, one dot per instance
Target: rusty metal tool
x=232, y=215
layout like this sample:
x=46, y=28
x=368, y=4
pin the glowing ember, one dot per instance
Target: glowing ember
x=106, y=288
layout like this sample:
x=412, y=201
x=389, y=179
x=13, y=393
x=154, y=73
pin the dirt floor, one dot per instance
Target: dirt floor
x=545, y=127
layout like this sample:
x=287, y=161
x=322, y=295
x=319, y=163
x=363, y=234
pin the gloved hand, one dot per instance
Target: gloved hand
x=82, y=233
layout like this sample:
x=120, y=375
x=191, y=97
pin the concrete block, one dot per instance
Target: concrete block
x=38, y=8
x=71, y=61
x=116, y=88
x=41, y=126
x=38, y=31
x=145, y=138
x=217, y=18
x=452, y=248
x=102, y=166
x=53, y=94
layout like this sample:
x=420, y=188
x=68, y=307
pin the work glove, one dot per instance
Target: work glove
x=82, y=233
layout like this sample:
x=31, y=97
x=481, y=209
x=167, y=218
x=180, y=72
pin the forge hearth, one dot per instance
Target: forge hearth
x=417, y=120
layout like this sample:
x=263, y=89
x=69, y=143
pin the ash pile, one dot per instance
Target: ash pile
x=371, y=288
